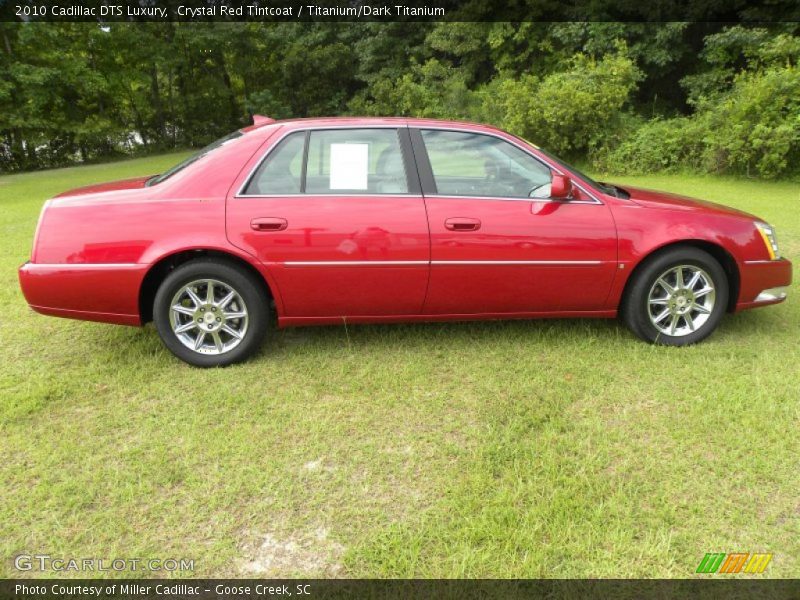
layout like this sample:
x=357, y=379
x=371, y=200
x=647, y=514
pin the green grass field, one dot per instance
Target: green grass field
x=497, y=449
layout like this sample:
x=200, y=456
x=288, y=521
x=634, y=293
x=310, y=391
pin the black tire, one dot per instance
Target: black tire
x=639, y=314
x=250, y=295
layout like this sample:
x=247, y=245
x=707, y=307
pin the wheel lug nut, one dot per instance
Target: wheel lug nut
x=218, y=319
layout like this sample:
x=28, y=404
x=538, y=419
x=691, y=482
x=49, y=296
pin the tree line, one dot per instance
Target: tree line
x=627, y=97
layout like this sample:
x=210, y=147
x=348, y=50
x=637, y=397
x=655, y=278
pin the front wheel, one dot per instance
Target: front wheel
x=210, y=313
x=677, y=298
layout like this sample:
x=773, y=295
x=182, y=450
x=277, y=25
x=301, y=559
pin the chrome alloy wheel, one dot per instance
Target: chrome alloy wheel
x=681, y=300
x=208, y=316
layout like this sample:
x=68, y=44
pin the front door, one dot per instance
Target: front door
x=499, y=245
x=338, y=217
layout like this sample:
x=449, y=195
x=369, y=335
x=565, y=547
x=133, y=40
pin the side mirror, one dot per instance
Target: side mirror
x=560, y=187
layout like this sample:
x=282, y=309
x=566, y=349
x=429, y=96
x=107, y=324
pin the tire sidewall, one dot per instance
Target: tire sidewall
x=636, y=309
x=231, y=275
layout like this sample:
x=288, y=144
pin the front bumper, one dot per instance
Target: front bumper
x=764, y=282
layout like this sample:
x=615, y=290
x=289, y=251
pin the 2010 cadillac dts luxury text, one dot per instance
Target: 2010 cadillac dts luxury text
x=389, y=219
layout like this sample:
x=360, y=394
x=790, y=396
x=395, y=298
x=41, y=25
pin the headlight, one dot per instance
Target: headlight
x=771, y=242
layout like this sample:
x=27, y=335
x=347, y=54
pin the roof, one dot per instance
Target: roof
x=260, y=121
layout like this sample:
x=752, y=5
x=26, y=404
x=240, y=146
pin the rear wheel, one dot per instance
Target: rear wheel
x=210, y=313
x=677, y=297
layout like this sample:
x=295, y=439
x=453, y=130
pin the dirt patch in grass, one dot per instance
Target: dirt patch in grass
x=276, y=555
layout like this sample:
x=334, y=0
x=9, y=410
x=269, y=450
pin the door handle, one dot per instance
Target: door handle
x=462, y=224
x=269, y=224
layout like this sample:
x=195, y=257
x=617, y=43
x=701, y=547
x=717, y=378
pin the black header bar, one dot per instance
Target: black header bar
x=267, y=11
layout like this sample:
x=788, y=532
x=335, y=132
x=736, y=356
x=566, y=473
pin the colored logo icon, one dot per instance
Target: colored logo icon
x=738, y=562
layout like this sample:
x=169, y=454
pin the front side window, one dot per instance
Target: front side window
x=472, y=164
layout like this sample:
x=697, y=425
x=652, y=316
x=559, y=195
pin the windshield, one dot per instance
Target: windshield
x=193, y=158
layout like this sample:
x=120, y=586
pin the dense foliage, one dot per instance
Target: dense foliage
x=628, y=97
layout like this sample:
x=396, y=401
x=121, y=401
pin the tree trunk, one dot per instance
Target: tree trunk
x=155, y=98
x=137, y=118
x=18, y=150
x=219, y=59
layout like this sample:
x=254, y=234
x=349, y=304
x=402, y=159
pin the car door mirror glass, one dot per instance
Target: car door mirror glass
x=541, y=192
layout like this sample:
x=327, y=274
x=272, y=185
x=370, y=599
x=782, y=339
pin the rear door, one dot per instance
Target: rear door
x=498, y=248
x=338, y=216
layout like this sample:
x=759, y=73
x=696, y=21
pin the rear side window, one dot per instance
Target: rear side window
x=356, y=161
x=339, y=161
x=282, y=170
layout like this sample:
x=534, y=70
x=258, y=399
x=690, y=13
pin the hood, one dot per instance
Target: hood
x=664, y=200
x=111, y=186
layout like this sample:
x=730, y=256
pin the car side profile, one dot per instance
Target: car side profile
x=367, y=220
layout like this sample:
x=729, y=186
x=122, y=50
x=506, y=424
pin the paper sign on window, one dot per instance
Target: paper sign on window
x=349, y=166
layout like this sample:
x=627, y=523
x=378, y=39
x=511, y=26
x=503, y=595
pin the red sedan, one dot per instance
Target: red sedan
x=375, y=220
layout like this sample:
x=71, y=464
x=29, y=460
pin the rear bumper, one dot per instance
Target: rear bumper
x=108, y=293
x=764, y=282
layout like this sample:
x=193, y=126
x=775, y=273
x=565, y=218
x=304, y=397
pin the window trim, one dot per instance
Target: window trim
x=424, y=164
x=412, y=179
x=304, y=166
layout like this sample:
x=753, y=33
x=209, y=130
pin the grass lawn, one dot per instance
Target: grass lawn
x=499, y=449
